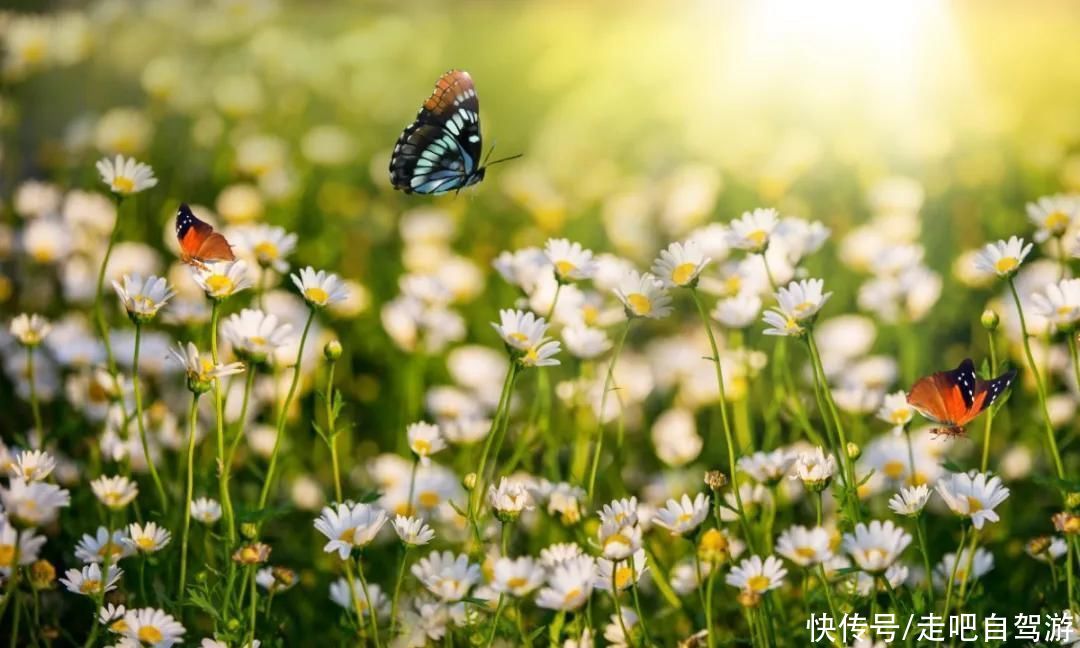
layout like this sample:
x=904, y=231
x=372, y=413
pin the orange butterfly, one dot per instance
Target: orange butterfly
x=199, y=242
x=953, y=398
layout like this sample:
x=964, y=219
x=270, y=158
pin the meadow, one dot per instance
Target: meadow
x=688, y=372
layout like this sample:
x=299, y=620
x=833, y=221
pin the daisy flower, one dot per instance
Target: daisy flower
x=33, y=465
x=33, y=504
x=895, y=410
x=973, y=495
x=981, y=563
x=222, y=279
x=255, y=553
x=424, y=440
x=201, y=370
x=752, y=230
x=814, y=468
x=509, y=498
x=517, y=576
x=126, y=176
x=801, y=300
x=268, y=244
x=447, y=576
x=682, y=516
x=520, y=330
x=412, y=531
x=152, y=627
x=94, y=548
x=340, y=594
x=767, y=467
x=142, y=299
x=558, y=553
x=570, y=260
x=804, y=547
x=757, y=576
x=148, y=538
x=737, y=312
x=618, y=541
x=613, y=631
x=88, y=580
x=26, y=544
x=622, y=511
x=254, y=334
x=349, y=526
x=910, y=501
x=1053, y=215
x=1003, y=258
x=782, y=324
x=643, y=295
x=542, y=355
x=680, y=264
x=1059, y=303
x=1046, y=549
x=206, y=510
x=624, y=572
x=115, y=493
x=276, y=579
x=30, y=330
x=877, y=546
x=585, y=342
x=569, y=586
x=319, y=288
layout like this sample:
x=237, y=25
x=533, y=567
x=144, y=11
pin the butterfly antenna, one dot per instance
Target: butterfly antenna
x=505, y=159
x=488, y=156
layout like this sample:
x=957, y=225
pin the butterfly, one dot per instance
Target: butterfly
x=199, y=242
x=440, y=151
x=953, y=398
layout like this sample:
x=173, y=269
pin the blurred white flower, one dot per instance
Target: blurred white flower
x=752, y=230
x=142, y=299
x=570, y=260
x=348, y=526
x=877, y=546
x=643, y=295
x=682, y=516
x=680, y=264
x=757, y=576
x=126, y=176
x=30, y=329
x=1053, y=215
x=222, y=279
x=910, y=500
x=1003, y=258
x=805, y=547
x=319, y=288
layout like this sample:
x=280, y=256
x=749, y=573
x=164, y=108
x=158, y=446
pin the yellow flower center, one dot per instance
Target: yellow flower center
x=266, y=251
x=429, y=499
x=1057, y=222
x=118, y=626
x=43, y=253
x=893, y=469
x=732, y=285
x=804, y=307
x=142, y=304
x=90, y=586
x=348, y=535
x=617, y=538
x=516, y=582
x=145, y=543
x=683, y=274
x=1006, y=265
x=805, y=552
x=257, y=340
x=590, y=314
x=121, y=184
x=622, y=576
x=531, y=356
x=900, y=416
x=757, y=583
x=249, y=554
x=518, y=336
x=316, y=295
x=150, y=634
x=875, y=554
x=109, y=548
x=758, y=237
x=33, y=51
x=7, y=555
x=639, y=303
x=564, y=268
x=684, y=518
x=421, y=447
x=571, y=596
x=974, y=505
x=219, y=285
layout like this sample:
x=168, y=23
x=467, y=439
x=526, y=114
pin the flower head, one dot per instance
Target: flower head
x=200, y=369
x=974, y=495
x=148, y=538
x=757, y=576
x=1003, y=258
x=509, y=498
x=910, y=500
x=254, y=334
x=738, y=311
x=752, y=230
x=680, y=264
x=447, y=576
x=895, y=409
x=30, y=330
x=268, y=244
x=424, y=440
x=585, y=342
x=255, y=553
x=88, y=581
x=643, y=295
x=319, y=288
x=126, y=176
x=517, y=576
x=1053, y=215
x=33, y=503
x=682, y=516
x=412, y=531
x=33, y=465
x=877, y=546
x=804, y=547
x=1059, y=303
x=222, y=279
x=570, y=260
x=152, y=627
x=801, y=300
x=115, y=492
x=349, y=526
x=814, y=468
x=142, y=299
x=205, y=510
x=569, y=586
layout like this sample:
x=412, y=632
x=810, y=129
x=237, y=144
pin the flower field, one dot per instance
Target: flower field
x=760, y=330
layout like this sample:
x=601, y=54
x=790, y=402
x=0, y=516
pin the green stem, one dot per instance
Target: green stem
x=921, y=533
x=34, y=406
x=188, y=492
x=226, y=469
x=952, y=574
x=283, y=414
x=331, y=434
x=254, y=606
x=608, y=379
x=988, y=423
x=370, y=604
x=223, y=487
x=1051, y=441
x=397, y=591
x=477, y=494
x=642, y=623
x=845, y=460
x=139, y=420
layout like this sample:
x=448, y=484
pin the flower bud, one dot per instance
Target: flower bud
x=249, y=530
x=715, y=480
x=1067, y=523
x=332, y=350
x=853, y=450
x=990, y=319
x=469, y=481
x=1038, y=546
x=1072, y=501
x=42, y=575
x=714, y=547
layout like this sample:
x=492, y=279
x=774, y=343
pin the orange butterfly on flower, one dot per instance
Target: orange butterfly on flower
x=199, y=243
x=952, y=399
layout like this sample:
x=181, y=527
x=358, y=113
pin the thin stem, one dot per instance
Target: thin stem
x=952, y=574
x=283, y=414
x=254, y=606
x=729, y=439
x=845, y=460
x=226, y=469
x=711, y=639
x=615, y=599
x=219, y=407
x=825, y=586
x=397, y=591
x=34, y=406
x=188, y=492
x=496, y=421
x=331, y=435
x=608, y=379
x=921, y=533
x=988, y=423
x=370, y=607
x=139, y=420
x=1051, y=441
x=642, y=623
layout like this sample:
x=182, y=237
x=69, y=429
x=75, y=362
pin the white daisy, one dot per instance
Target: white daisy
x=412, y=531
x=1059, y=303
x=447, y=576
x=585, y=342
x=803, y=546
x=622, y=511
x=424, y=440
x=339, y=593
x=622, y=573
x=520, y=330
x=877, y=546
x=222, y=279
x=26, y=544
x=94, y=548
x=767, y=467
x=33, y=465
x=752, y=230
x=782, y=324
x=1053, y=215
x=30, y=330
x=509, y=498
x=801, y=300
x=254, y=334
x=814, y=468
x=979, y=564
x=517, y=576
x=200, y=369
x=973, y=495
x=206, y=510
x=126, y=176
x=910, y=501
x=319, y=288
x=1003, y=258
x=349, y=526
x=268, y=244
x=756, y=576
x=619, y=541
x=570, y=260
x=569, y=586
x=148, y=538
x=643, y=295
x=33, y=504
x=558, y=553
x=682, y=516
x=88, y=580
x=142, y=299
x=895, y=410
x=680, y=264
x=152, y=627
x=737, y=312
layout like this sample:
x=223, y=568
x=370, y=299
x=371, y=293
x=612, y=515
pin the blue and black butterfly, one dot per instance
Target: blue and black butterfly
x=440, y=151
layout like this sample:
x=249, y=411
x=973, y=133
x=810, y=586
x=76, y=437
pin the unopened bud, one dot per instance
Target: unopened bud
x=1072, y=501
x=249, y=530
x=715, y=480
x=42, y=574
x=990, y=319
x=469, y=481
x=853, y=450
x=332, y=350
x=1067, y=523
x=1038, y=546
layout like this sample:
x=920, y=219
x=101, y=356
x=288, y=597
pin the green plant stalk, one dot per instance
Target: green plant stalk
x=496, y=421
x=641, y=615
x=608, y=379
x=253, y=609
x=219, y=415
x=819, y=372
x=367, y=597
x=188, y=492
x=35, y=407
x=952, y=574
x=283, y=414
x=139, y=420
x=920, y=532
x=397, y=590
x=709, y=588
x=99, y=314
x=1051, y=441
x=331, y=431
x=226, y=469
x=989, y=422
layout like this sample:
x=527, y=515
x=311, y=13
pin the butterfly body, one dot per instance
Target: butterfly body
x=952, y=399
x=199, y=243
x=440, y=151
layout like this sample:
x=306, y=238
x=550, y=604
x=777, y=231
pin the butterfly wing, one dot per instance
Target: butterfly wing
x=947, y=397
x=191, y=232
x=988, y=391
x=215, y=248
x=440, y=151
